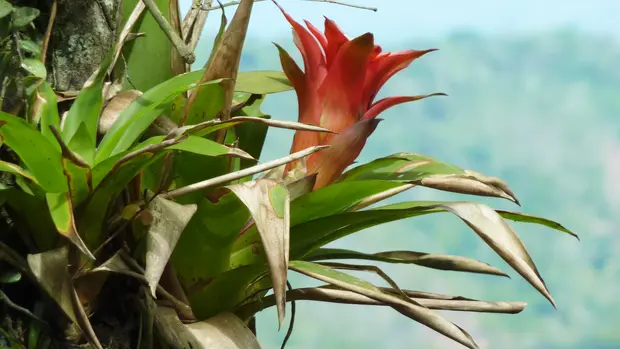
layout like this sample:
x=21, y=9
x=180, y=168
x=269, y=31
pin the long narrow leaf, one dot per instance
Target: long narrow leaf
x=41, y=157
x=429, y=260
x=268, y=202
x=415, y=312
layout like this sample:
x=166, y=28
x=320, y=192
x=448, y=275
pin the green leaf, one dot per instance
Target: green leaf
x=200, y=146
x=41, y=157
x=86, y=110
x=82, y=144
x=430, y=172
x=10, y=276
x=527, y=218
x=252, y=136
x=34, y=67
x=80, y=181
x=16, y=170
x=110, y=185
x=45, y=111
x=61, y=210
x=22, y=16
x=326, y=201
x=410, y=309
x=150, y=59
x=268, y=202
x=262, y=82
x=27, y=45
x=33, y=211
x=137, y=117
x=5, y=8
x=429, y=260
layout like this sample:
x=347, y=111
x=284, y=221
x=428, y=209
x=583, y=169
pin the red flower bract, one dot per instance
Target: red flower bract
x=337, y=90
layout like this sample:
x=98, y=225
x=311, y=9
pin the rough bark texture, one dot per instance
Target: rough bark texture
x=84, y=32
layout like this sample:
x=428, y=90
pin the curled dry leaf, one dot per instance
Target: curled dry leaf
x=333, y=294
x=429, y=172
x=114, y=108
x=496, y=232
x=51, y=270
x=410, y=309
x=268, y=202
x=169, y=221
x=429, y=260
x=225, y=60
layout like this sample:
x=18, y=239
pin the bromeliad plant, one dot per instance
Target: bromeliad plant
x=152, y=180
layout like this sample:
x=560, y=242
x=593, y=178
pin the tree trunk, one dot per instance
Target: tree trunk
x=83, y=33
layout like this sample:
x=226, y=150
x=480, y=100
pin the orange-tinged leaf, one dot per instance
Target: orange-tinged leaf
x=61, y=210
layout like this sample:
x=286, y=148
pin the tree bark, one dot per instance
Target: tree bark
x=84, y=32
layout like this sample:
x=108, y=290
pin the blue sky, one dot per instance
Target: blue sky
x=404, y=19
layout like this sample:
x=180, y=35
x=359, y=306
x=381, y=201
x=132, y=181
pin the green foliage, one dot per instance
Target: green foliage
x=183, y=211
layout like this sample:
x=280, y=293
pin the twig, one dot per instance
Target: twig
x=9, y=303
x=346, y=4
x=153, y=148
x=181, y=307
x=184, y=51
x=194, y=23
x=289, y=332
x=122, y=38
x=66, y=152
x=240, y=174
x=341, y=3
x=48, y=31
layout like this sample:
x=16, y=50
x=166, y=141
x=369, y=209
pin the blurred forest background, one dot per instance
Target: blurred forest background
x=540, y=109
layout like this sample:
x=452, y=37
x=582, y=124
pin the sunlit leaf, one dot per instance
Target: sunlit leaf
x=409, y=309
x=34, y=67
x=38, y=153
x=45, y=111
x=262, y=82
x=16, y=170
x=61, y=210
x=86, y=110
x=429, y=260
x=527, y=218
x=430, y=172
x=137, y=117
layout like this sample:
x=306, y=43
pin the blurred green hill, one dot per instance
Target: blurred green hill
x=543, y=113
